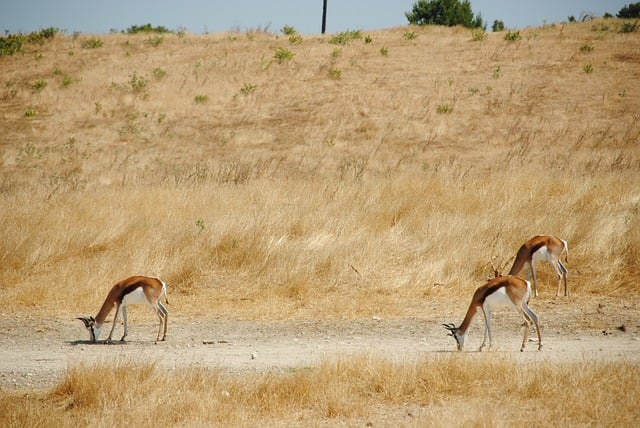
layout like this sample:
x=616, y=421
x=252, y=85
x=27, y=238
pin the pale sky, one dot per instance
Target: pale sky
x=214, y=16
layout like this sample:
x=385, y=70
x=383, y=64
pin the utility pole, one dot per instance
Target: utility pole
x=324, y=15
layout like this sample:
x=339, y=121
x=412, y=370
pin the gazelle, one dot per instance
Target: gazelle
x=542, y=247
x=134, y=290
x=503, y=290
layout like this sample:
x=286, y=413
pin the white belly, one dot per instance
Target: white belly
x=499, y=298
x=136, y=297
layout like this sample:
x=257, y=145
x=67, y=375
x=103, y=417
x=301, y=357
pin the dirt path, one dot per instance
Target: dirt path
x=34, y=354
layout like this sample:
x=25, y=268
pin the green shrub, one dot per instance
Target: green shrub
x=13, y=43
x=345, y=37
x=409, y=35
x=146, y=28
x=512, y=36
x=154, y=41
x=444, y=109
x=628, y=27
x=283, y=54
x=288, y=30
x=201, y=99
x=295, y=39
x=478, y=34
x=247, y=88
x=159, y=73
x=586, y=48
x=66, y=81
x=91, y=44
x=39, y=85
x=138, y=83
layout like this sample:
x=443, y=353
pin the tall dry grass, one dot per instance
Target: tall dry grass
x=434, y=391
x=289, y=192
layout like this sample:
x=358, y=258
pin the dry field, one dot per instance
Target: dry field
x=318, y=210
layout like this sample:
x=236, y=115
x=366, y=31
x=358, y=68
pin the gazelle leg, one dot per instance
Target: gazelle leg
x=487, y=329
x=533, y=317
x=164, y=319
x=115, y=321
x=563, y=271
x=535, y=279
x=124, y=317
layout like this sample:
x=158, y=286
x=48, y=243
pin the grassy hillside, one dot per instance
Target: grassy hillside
x=328, y=176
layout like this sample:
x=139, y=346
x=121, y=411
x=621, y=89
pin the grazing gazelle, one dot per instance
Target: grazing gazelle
x=134, y=290
x=503, y=290
x=542, y=247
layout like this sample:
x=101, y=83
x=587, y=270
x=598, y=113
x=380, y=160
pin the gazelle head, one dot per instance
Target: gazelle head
x=454, y=331
x=498, y=271
x=90, y=324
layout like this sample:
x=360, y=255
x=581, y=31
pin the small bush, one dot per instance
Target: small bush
x=628, y=27
x=39, y=85
x=586, y=48
x=138, y=83
x=159, y=73
x=444, y=109
x=201, y=99
x=478, y=34
x=154, y=41
x=335, y=73
x=66, y=81
x=295, y=39
x=409, y=35
x=288, y=30
x=283, y=54
x=512, y=36
x=147, y=28
x=384, y=51
x=247, y=88
x=13, y=43
x=588, y=69
x=345, y=37
x=91, y=44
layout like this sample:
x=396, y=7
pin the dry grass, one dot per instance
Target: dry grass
x=351, y=392
x=286, y=192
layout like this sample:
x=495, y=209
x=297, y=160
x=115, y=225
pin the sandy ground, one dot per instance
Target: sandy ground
x=35, y=352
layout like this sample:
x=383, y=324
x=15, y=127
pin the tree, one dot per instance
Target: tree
x=630, y=11
x=497, y=26
x=444, y=12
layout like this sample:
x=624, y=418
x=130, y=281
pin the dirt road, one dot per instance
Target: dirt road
x=35, y=352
